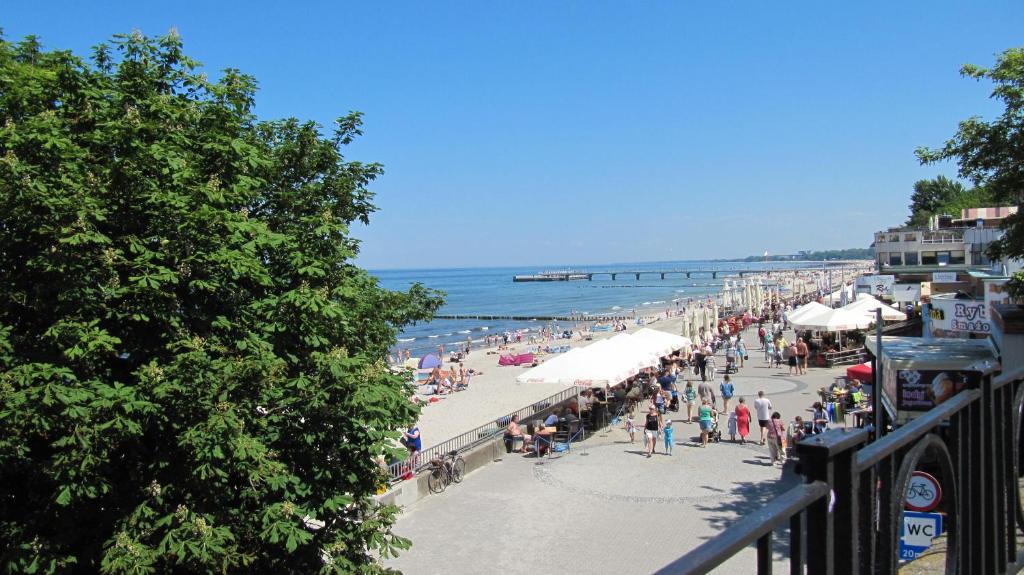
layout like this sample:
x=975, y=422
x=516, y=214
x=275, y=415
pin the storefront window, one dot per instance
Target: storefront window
x=956, y=257
x=928, y=258
x=910, y=258
x=895, y=258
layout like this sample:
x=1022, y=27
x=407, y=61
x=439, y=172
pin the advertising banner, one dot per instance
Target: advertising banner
x=876, y=285
x=960, y=315
x=922, y=390
x=944, y=277
x=907, y=292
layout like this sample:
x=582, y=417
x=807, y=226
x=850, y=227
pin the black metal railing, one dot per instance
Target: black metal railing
x=847, y=515
x=478, y=435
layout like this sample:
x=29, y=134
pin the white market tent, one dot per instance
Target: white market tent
x=807, y=310
x=633, y=351
x=554, y=370
x=868, y=304
x=662, y=342
x=833, y=320
x=607, y=361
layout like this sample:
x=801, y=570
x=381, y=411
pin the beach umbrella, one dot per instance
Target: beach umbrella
x=430, y=361
x=726, y=294
x=714, y=318
x=686, y=327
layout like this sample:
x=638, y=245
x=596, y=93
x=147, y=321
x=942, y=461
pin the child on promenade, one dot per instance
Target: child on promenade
x=667, y=430
x=631, y=427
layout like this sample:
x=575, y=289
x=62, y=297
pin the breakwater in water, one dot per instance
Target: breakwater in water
x=480, y=301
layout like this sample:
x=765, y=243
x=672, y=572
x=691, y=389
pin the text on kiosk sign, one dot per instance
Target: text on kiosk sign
x=960, y=315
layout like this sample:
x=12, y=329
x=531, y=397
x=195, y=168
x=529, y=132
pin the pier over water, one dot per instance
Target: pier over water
x=573, y=275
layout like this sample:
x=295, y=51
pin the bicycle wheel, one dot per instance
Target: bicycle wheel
x=458, y=469
x=436, y=480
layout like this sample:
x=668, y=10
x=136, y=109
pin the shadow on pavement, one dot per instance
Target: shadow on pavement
x=749, y=496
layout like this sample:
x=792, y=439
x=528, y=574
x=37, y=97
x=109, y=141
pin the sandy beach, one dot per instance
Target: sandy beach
x=494, y=392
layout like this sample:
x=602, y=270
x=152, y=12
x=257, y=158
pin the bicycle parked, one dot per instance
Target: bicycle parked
x=445, y=470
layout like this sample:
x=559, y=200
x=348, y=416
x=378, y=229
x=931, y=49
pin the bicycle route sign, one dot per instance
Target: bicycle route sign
x=918, y=531
x=923, y=492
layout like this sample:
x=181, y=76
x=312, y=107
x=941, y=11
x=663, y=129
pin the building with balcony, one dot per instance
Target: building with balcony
x=947, y=244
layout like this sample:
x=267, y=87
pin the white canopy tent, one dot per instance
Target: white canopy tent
x=608, y=361
x=663, y=343
x=806, y=310
x=632, y=351
x=868, y=304
x=555, y=370
x=833, y=320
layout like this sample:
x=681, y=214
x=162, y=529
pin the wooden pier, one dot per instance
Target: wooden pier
x=571, y=275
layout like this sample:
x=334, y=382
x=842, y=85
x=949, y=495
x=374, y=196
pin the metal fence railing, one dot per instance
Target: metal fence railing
x=848, y=515
x=478, y=436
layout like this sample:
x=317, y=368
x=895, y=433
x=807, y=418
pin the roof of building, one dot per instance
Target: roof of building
x=937, y=353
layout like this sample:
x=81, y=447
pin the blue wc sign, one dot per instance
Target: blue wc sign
x=918, y=531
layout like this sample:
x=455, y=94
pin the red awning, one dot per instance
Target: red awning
x=860, y=372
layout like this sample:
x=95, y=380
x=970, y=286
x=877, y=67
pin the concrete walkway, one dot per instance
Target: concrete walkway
x=604, y=507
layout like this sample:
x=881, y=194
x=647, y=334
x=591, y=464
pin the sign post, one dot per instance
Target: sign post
x=917, y=533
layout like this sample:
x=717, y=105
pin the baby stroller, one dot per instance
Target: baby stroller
x=673, y=404
x=730, y=361
x=716, y=430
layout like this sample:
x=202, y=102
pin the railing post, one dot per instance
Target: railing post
x=834, y=538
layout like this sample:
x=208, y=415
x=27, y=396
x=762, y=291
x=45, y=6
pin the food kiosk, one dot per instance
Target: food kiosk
x=917, y=374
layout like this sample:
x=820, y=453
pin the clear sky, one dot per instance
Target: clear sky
x=545, y=133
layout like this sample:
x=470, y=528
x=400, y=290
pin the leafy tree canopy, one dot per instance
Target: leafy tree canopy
x=930, y=196
x=944, y=196
x=190, y=365
x=991, y=153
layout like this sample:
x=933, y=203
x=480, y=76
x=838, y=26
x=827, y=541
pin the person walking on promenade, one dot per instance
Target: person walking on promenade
x=667, y=431
x=776, y=439
x=727, y=390
x=706, y=392
x=652, y=426
x=690, y=395
x=801, y=355
x=707, y=415
x=630, y=426
x=741, y=350
x=732, y=426
x=763, y=410
x=742, y=419
x=792, y=359
x=769, y=348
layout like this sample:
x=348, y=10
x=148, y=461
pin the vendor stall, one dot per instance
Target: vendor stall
x=918, y=374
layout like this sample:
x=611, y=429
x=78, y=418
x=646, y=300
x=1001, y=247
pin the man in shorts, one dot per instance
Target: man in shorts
x=763, y=410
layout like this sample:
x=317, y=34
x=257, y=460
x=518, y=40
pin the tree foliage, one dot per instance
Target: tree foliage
x=991, y=153
x=190, y=364
x=930, y=196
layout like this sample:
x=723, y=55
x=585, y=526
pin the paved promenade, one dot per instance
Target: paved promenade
x=604, y=507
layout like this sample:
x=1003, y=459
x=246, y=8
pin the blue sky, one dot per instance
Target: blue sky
x=543, y=133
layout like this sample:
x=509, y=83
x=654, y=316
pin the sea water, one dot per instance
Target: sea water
x=491, y=291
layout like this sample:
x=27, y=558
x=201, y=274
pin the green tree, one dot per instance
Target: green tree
x=190, y=364
x=929, y=197
x=991, y=153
